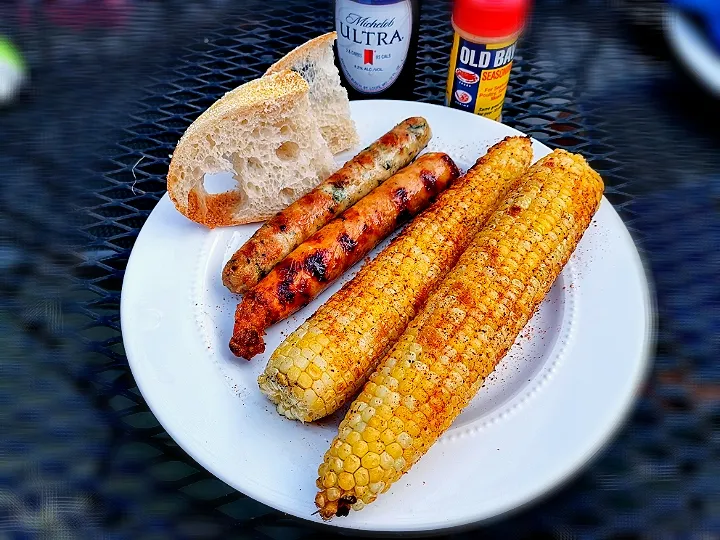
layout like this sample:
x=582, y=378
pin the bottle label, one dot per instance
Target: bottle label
x=478, y=76
x=373, y=41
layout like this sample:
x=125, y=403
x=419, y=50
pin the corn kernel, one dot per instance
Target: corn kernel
x=393, y=399
x=420, y=395
x=404, y=440
x=409, y=402
x=386, y=460
x=314, y=371
x=293, y=373
x=367, y=414
x=376, y=474
x=362, y=478
x=320, y=362
x=378, y=423
x=411, y=455
x=387, y=436
x=412, y=428
x=310, y=397
x=376, y=487
x=360, y=448
x=361, y=491
x=346, y=481
x=344, y=451
x=336, y=464
x=376, y=446
x=396, y=424
x=301, y=362
x=344, y=432
x=394, y=449
x=405, y=386
x=370, y=460
x=329, y=479
x=419, y=418
x=370, y=434
x=352, y=464
x=403, y=413
x=286, y=364
x=385, y=412
x=353, y=438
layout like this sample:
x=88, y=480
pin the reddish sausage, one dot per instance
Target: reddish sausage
x=323, y=257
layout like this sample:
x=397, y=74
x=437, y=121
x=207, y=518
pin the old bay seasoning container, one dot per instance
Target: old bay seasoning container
x=486, y=32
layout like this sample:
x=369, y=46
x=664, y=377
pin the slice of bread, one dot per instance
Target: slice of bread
x=266, y=134
x=315, y=61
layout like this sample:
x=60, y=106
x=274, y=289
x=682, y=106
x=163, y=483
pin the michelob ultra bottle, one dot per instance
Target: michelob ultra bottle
x=376, y=47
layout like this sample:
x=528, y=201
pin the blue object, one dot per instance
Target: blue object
x=708, y=11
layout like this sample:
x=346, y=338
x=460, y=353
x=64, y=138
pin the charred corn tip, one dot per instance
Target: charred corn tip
x=459, y=336
x=322, y=364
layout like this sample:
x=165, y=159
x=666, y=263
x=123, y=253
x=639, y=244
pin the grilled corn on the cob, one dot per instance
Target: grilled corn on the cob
x=322, y=365
x=457, y=339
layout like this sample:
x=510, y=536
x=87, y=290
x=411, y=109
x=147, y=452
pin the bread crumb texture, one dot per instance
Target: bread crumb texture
x=315, y=62
x=265, y=134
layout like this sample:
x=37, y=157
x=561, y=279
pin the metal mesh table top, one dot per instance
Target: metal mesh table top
x=86, y=152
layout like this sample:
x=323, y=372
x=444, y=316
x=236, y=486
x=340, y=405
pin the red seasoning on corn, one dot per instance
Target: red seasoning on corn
x=468, y=324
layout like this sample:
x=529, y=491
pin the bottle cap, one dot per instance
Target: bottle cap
x=490, y=18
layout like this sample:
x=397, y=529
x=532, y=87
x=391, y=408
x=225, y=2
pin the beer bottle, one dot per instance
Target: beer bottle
x=376, y=47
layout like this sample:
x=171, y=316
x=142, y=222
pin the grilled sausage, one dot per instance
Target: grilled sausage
x=321, y=259
x=288, y=229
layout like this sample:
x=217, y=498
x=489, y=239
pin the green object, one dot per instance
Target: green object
x=13, y=71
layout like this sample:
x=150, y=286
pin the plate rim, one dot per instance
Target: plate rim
x=557, y=483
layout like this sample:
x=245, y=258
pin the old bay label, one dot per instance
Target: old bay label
x=373, y=40
x=478, y=76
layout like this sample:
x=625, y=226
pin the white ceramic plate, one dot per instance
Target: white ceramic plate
x=549, y=407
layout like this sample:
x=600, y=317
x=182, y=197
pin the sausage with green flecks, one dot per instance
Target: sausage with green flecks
x=272, y=242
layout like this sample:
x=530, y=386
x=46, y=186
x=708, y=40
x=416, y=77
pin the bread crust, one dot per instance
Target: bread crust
x=302, y=51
